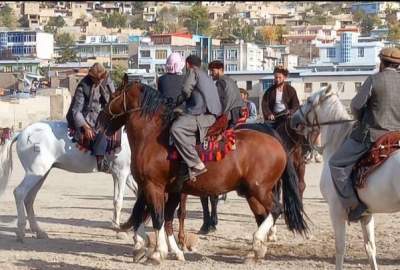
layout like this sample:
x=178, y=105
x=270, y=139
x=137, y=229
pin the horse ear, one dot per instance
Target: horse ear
x=328, y=89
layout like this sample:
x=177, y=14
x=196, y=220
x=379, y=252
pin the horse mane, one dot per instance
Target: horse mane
x=338, y=133
x=151, y=101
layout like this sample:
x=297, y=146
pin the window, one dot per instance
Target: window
x=267, y=84
x=8, y=69
x=145, y=53
x=231, y=67
x=357, y=86
x=249, y=85
x=161, y=54
x=331, y=53
x=308, y=87
x=146, y=67
x=231, y=54
x=340, y=86
x=323, y=84
x=360, y=52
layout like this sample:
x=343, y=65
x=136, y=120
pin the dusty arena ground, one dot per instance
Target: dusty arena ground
x=76, y=210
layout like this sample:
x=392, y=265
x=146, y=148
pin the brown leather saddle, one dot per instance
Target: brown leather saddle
x=381, y=150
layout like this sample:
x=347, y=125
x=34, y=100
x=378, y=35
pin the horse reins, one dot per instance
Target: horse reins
x=318, y=124
x=125, y=111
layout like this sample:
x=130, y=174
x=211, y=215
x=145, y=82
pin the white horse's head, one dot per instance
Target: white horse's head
x=322, y=107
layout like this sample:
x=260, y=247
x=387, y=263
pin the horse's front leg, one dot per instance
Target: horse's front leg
x=155, y=202
x=182, y=216
x=172, y=203
x=367, y=225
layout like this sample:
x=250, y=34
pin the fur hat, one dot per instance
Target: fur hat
x=97, y=71
x=391, y=55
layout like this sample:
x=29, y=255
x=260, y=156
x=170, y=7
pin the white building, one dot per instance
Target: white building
x=348, y=54
x=240, y=56
x=152, y=57
x=26, y=43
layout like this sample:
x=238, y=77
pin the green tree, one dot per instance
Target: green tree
x=137, y=7
x=7, y=17
x=67, y=43
x=117, y=75
x=166, y=20
x=53, y=24
x=196, y=20
x=23, y=21
x=394, y=32
x=64, y=40
x=368, y=23
x=114, y=20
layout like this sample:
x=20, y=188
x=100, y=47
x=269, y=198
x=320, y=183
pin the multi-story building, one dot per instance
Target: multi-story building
x=307, y=34
x=108, y=50
x=26, y=43
x=350, y=53
x=240, y=56
x=375, y=8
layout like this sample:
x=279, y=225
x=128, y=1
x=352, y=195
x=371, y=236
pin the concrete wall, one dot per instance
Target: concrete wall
x=47, y=105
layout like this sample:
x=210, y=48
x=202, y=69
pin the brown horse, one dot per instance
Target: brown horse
x=253, y=170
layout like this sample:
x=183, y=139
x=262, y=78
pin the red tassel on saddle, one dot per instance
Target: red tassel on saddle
x=218, y=156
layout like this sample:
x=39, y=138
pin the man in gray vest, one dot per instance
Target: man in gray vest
x=91, y=95
x=202, y=108
x=377, y=108
x=229, y=93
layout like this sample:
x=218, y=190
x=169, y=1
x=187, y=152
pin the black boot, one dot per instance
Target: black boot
x=357, y=213
x=181, y=178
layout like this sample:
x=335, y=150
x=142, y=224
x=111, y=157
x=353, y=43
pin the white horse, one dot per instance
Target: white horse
x=46, y=145
x=382, y=192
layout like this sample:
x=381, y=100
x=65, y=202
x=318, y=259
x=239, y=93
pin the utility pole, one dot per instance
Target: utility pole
x=111, y=55
x=197, y=27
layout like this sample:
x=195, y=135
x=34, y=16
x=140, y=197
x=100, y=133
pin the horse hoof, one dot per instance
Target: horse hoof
x=122, y=235
x=114, y=225
x=20, y=237
x=154, y=259
x=272, y=238
x=259, y=249
x=212, y=229
x=180, y=257
x=204, y=229
x=138, y=255
x=41, y=235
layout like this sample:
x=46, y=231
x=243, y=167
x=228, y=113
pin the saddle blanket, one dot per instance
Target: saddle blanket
x=381, y=150
x=213, y=148
x=113, y=142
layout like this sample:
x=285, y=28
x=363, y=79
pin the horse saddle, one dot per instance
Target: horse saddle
x=381, y=150
x=113, y=141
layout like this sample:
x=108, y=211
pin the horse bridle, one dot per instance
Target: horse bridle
x=125, y=110
x=316, y=125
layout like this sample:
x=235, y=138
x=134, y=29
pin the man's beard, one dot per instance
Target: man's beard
x=280, y=84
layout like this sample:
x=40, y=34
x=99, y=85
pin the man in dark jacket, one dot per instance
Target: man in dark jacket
x=91, y=95
x=280, y=100
x=201, y=109
x=376, y=107
x=229, y=94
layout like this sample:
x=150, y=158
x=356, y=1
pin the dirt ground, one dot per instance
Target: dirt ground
x=76, y=211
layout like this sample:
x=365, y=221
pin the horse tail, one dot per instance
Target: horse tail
x=292, y=203
x=6, y=163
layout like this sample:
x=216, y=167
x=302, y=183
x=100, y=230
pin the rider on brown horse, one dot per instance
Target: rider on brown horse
x=202, y=108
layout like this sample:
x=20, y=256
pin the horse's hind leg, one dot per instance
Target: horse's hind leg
x=367, y=225
x=29, y=201
x=205, y=228
x=265, y=222
x=20, y=193
x=214, y=215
